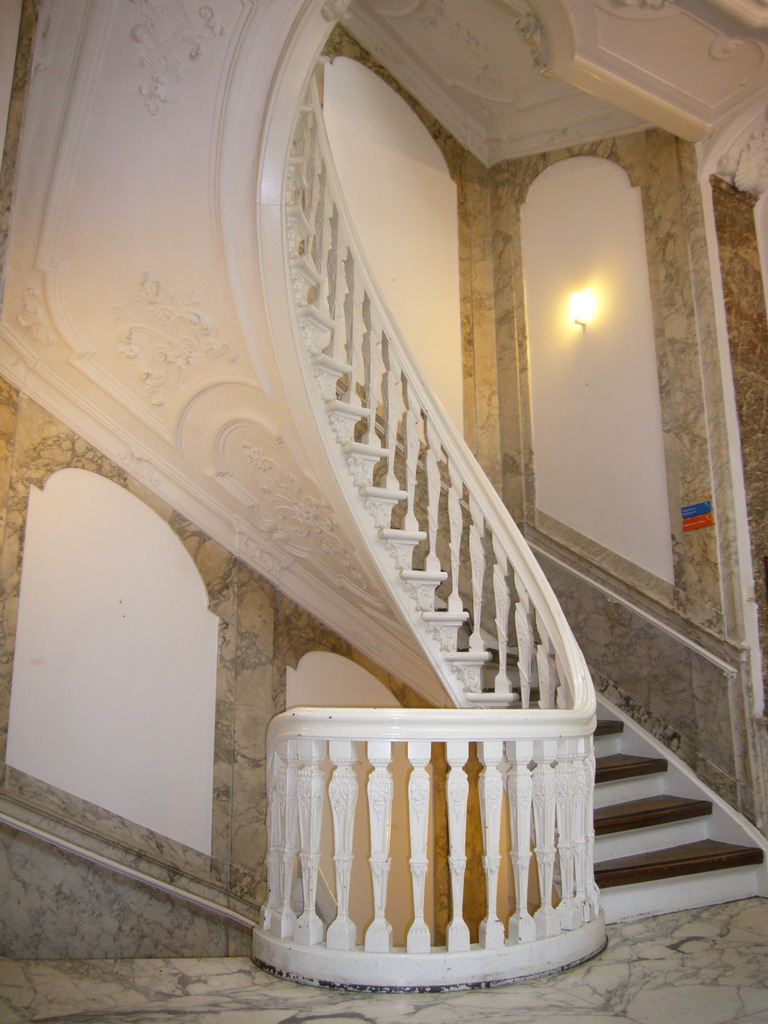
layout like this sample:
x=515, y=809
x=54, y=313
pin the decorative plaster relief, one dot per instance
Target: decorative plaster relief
x=643, y=5
x=746, y=164
x=292, y=518
x=264, y=560
x=335, y=9
x=173, y=39
x=531, y=29
x=396, y=8
x=34, y=318
x=172, y=340
x=141, y=467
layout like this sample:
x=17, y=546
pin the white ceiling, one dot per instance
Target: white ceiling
x=512, y=77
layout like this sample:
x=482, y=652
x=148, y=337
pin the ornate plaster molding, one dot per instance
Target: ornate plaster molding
x=335, y=9
x=745, y=165
x=172, y=39
x=35, y=319
x=643, y=5
x=296, y=520
x=530, y=27
x=171, y=340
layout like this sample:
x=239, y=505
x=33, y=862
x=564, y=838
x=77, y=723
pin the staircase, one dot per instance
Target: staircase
x=657, y=824
x=465, y=583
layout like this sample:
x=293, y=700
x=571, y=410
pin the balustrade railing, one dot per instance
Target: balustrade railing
x=453, y=559
x=534, y=877
x=464, y=579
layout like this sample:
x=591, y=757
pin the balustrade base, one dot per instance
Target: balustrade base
x=434, y=971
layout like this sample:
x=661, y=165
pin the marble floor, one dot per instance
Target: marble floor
x=705, y=966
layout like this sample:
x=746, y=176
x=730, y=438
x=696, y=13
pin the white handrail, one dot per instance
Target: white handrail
x=393, y=447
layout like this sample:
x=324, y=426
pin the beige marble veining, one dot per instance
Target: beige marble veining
x=748, y=343
x=13, y=132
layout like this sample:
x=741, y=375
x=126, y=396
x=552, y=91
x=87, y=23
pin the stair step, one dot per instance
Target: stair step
x=608, y=727
x=627, y=766
x=653, y=810
x=693, y=858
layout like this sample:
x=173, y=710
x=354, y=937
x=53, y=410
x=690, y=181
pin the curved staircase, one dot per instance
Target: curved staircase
x=464, y=581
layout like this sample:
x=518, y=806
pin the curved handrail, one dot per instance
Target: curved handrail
x=396, y=449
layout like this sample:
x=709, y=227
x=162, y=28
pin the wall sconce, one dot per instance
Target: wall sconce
x=581, y=308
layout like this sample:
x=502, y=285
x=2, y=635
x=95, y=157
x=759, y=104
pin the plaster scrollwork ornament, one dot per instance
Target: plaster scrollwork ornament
x=747, y=167
x=529, y=26
x=295, y=520
x=141, y=467
x=172, y=340
x=263, y=561
x=644, y=5
x=33, y=317
x=172, y=38
x=335, y=9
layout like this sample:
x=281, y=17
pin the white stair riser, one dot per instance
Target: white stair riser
x=655, y=837
x=646, y=899
x=605, y=745
x=618, y=792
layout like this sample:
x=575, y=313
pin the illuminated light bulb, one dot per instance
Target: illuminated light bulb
x=582, y=307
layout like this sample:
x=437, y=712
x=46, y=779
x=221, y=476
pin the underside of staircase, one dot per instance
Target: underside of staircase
x=660, y=846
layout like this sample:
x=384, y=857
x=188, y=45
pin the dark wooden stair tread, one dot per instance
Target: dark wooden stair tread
x=693, y=858
x=608, y=727
x=651, y=810
x=626, y=766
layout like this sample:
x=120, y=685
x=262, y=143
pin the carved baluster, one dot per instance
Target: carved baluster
x=342, y=793
x=546, y=670
x=455, y=525
x=491, y=787
x=520, y=798
x=457, y=752
x=373, y=373
x=336, y=285
x=412, y=449
x=546, y=918
x=592, y=891
x=353, y=312
x=418, y=939
x=392, y=412
x=525, y=640
x=477, y=559
x=275, y=812
x=433, y=453
x=284, y=922
x=566, y=807
x=378, y=937
x=311, y=784
x=503, y=602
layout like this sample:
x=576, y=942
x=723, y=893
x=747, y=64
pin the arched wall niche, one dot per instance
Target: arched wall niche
x=476, y=284
x=116, y=655
x=696, y=451
x=403, y=205
x=598, y=447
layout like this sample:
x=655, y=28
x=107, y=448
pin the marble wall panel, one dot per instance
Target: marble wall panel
x=748, y=341
x=260, y=633
x=680, y=697
x=16, y=107
x=662, y=167
x=56, y=905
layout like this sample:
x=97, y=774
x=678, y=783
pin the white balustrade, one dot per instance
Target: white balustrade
x=545, y=781
x=454, y=561
x=466, y=583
